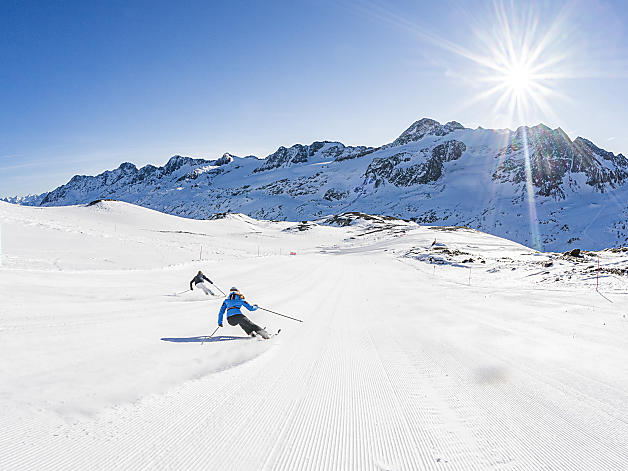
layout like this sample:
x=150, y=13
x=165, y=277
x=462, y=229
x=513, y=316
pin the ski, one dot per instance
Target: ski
x=260, y=337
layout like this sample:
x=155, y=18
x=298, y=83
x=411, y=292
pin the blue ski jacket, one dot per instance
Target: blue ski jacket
x=233, y=306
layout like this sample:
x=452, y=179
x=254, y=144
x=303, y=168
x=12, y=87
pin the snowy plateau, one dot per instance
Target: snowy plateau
x=534, y=185
x=422, y=347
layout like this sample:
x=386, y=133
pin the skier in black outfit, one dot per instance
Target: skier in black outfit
x=199, y=280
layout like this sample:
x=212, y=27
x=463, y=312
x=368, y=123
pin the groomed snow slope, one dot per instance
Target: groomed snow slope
x=410, y=357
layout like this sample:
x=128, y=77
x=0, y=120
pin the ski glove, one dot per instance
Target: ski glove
x=219, y=325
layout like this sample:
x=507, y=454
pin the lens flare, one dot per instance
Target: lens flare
x=515, y=58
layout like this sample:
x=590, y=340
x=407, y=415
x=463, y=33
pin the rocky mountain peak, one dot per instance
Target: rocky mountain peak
x=453, y=125
x=127, y=167
x=423, y=127
x=554, y=158
x=225, y=159
x=177, y=161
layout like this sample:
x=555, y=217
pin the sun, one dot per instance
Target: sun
x=519, y=79
x=515, y=62
x=517, y=84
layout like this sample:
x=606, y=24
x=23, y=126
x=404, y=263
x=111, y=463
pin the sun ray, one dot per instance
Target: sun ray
x=533, y=220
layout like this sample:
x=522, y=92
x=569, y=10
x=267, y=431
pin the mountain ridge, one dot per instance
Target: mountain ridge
x=444, y=174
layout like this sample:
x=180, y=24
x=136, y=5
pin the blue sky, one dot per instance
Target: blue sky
x=85, y=86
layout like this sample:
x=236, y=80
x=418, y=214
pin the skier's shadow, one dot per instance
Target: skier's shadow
x=205, y=339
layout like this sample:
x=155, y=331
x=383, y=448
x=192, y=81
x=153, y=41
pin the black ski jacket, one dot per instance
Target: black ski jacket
x=199, y=279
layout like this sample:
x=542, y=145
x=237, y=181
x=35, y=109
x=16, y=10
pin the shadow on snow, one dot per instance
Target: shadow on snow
x=217, y=338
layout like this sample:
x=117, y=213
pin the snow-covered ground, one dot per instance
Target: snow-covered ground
x=421, y=348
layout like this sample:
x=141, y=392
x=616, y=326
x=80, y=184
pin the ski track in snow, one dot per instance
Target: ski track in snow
x=397, y=366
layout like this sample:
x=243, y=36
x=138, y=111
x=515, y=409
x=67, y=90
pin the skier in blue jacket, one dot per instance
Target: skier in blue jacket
x=232, y=306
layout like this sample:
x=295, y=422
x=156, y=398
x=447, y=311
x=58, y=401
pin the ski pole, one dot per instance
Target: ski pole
x=177, y=294
x=223, y=293
x=204, y=338
x=283, y=315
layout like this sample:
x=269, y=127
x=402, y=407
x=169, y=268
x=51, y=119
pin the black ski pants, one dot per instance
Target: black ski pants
x=244, y=322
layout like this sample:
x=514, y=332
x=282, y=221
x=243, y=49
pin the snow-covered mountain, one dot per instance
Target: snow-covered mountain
x=28, y=200
x=441, y=174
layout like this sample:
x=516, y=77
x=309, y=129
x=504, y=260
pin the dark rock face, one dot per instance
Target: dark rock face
x=351, y=217
x=299, y=154
x=599, y=172
x=381, y=169
x=176, y=162
x=390, y=169
x=335, y=195
x=553, y=157
x=315, y=147
x=358, y=152
x=573, y=253
x=448, y=151
x=224, y=160
x=283, y=156
x=96, y=202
